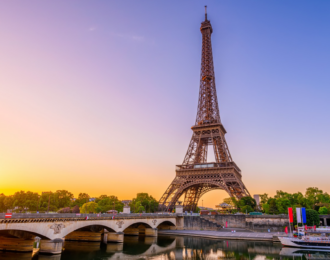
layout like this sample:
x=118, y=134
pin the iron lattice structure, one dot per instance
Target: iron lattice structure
x=195, y=176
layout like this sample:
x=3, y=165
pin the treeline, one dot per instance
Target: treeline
x=64, y=201
x=314, y=200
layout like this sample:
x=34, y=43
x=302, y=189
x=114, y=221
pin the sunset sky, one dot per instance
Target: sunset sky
x=99, y=96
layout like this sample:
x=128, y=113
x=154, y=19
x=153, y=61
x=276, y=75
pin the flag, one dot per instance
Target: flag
x=86, y=217
x=304, y=218
x=8, y=215
x=298, y=211
x=286, y=230
x=226, y=224
x=290, y=215
x=305, y=227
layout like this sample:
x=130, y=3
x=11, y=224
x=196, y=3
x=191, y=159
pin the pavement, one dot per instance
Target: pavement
x=255, y=236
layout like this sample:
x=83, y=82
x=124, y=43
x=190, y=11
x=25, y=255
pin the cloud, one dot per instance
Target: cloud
x=131, y=37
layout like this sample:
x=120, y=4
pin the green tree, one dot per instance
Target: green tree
x=2, y=202
x=272, y=208
x=8, y=202
x=312, y=217
x=247, y=201
x=82, y=199
x=143, y=200
x=229, y=201
x=48, y=198
x=108, y=203
x=313, y=195
x=323, y=211
x=247, y=209
x=89, y=207
x=282, y=205
x=63, y=198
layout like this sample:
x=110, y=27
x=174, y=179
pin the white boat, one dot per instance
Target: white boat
x=312, y=242
x=309, y=254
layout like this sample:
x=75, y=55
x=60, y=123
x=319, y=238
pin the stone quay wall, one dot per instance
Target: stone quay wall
x=214, y=222
x=261, y=223
x=275, y=223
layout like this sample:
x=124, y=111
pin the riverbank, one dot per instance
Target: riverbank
x=252, y=236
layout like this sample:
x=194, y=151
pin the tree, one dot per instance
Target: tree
x=82, y=198
x=64, y=210
x=312, y=217
x=247, y=201
x=272, y=206
x=246, y=209
x=75, y=209
x=63, y=198
x=143, y=200
x=282, y=205
x=313, y=195
x=2, y=202
x=109, y=203
x=8, y=202
x=229, y=201
x=89, y=207
x=323, y=211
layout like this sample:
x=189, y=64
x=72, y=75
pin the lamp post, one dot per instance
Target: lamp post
x=48, y=202
x=38, y=202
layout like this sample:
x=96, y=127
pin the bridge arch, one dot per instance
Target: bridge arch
x=166, y=224
x=59, y=228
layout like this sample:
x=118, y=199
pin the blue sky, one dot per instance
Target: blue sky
x=109, y=89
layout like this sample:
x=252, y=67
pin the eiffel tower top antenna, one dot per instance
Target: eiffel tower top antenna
x=205, y=13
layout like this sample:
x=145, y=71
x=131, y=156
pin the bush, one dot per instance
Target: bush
x=75, y=209
x=312, y=217
x=323, y=211
x=64, y=210
x=247, y=209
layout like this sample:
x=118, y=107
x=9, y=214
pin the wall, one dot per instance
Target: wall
x=276, y=223
x=254, y=223
x=214, y=222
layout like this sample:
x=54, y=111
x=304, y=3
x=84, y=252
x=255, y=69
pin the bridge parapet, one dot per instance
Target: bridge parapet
x=73, y=215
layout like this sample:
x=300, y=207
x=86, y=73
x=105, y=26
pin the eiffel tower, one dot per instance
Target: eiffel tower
x=196, y=176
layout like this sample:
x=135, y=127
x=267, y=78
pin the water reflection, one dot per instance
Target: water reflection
x=174, y=248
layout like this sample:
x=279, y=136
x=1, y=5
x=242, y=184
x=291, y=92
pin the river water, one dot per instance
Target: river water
x=173, y=247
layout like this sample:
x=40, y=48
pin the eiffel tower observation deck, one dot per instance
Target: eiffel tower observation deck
x=195, y=176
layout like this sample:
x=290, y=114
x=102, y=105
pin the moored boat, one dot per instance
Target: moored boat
x=317, y=242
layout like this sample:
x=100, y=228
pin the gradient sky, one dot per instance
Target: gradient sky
x=99, y=96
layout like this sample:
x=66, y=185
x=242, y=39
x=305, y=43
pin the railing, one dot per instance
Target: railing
x=78, y=215
x=207, y=165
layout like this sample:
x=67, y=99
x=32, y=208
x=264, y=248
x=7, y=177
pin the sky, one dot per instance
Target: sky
x=99, y=96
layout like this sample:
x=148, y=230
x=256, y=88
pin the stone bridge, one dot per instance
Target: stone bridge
x=53, y=229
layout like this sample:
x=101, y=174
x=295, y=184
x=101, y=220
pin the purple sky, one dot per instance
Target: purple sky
x=99, y=96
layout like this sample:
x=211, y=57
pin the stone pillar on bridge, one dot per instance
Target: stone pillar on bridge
x=131, y=231
x=325, y=221
x=114, y=247
x=151, y=232
x=51, y=246
x=179, y=208
x=127, y=208
x=112, y=237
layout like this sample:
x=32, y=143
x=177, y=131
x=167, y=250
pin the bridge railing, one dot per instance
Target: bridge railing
x=74, y=215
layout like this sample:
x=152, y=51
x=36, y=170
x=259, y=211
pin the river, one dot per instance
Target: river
x=173, y=247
